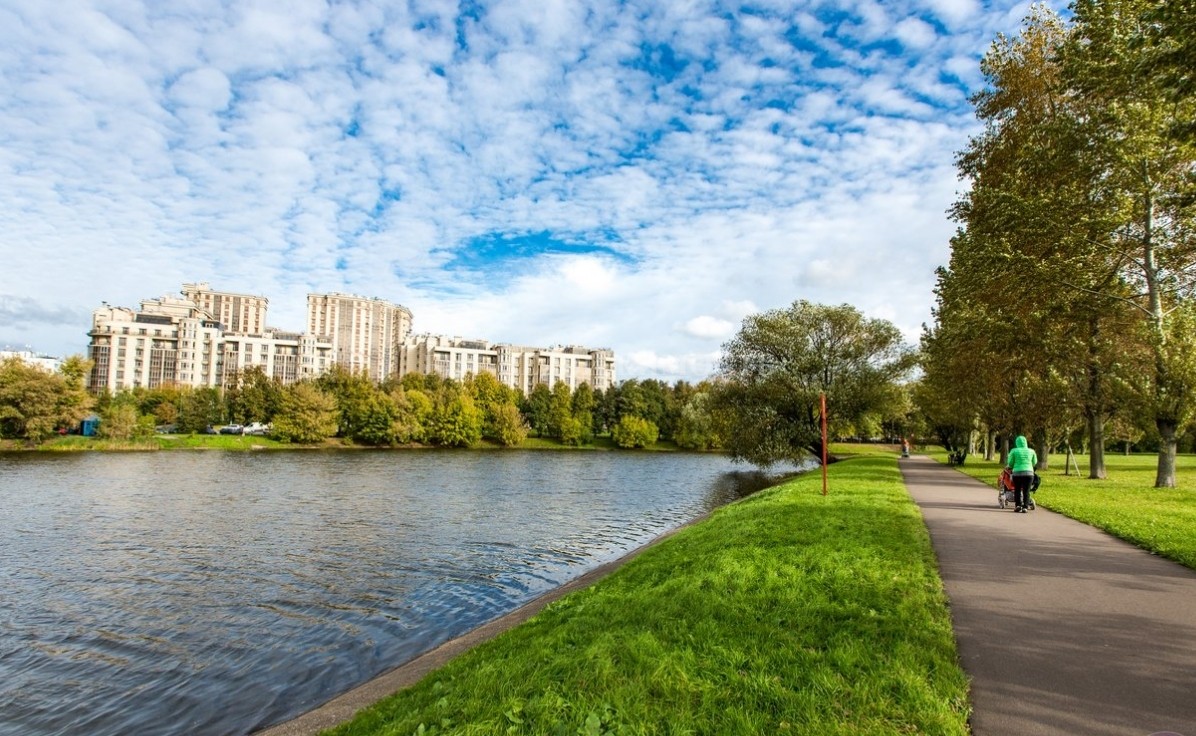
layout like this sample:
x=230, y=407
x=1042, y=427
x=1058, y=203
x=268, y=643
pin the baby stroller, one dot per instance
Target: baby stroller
x=1005, y=495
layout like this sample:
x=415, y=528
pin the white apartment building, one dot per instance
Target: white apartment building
x=45, y=362
x=366, y=334
x=241, y=314
x=285, y=356
x=168, y=341
x=191, y=341
x=514, y=366
x=179, y=341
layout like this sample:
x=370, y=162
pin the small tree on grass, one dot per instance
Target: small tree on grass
x=509, y=427
x=456, y=421
x=634, y=432
x=120, y=420
x=305, y=414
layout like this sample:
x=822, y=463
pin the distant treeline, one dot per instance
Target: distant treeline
x=763, y=406
x=414, y=409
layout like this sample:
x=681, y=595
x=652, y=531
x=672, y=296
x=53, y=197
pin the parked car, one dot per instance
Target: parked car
x=257, y=428
x=166, y=429
x=232, y=429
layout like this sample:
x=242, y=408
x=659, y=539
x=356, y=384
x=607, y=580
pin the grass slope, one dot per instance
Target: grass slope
x=1162, y=520
x=788, y=612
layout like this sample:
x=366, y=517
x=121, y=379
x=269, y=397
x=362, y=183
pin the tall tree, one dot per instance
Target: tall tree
x=775, y=369
x=1031, y=285
x=1133, y=116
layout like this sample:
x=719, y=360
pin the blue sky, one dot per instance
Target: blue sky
x=636, y=175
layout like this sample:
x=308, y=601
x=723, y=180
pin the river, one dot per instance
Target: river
x=218, y=593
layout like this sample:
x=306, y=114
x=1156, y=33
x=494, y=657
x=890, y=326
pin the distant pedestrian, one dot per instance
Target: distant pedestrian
x=904, y=448
x=1021, y=462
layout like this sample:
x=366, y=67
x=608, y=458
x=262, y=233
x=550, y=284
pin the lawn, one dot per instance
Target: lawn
x=788, y=612
x=1162, y=520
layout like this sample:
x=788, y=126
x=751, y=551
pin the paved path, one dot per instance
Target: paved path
x=1062, y=628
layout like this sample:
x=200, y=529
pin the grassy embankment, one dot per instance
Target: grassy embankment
x=75, y=443
x=1162, y=520
x=788, y=612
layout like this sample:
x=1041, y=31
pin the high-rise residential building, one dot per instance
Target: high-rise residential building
x=179, y=341
x=366, y=334
x=209, y=338
x=169, y=341
x=285, y=356
x=241, y=314
x=513, y=365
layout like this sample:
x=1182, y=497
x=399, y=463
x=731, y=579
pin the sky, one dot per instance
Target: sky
x=637, y=174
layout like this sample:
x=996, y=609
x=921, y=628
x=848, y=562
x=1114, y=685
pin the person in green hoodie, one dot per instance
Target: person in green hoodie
x=1021, y=461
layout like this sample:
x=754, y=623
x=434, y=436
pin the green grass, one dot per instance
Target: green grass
x=856, y=449
x=74, y=443
x=788, y=612
x=220, y=442
x=1162, y=520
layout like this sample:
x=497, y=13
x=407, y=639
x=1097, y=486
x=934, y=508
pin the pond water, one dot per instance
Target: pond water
x=218, y=593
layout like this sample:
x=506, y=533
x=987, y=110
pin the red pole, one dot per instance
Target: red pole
x=822, y=400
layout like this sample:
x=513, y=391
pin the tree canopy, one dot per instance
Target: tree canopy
x=1072, y=273
x=775, y=370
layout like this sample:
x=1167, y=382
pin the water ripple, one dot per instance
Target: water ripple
x=206, y=593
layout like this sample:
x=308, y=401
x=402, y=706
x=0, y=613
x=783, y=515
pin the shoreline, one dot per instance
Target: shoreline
x=231, y=444
x=342, y=708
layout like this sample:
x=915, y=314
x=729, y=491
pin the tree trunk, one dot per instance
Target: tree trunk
x=1044, y=451
x=1096, y=456
x=1166, y=474
x=1094, y=408
x=1004, y=448
x=990, y=439
x=1127, y=448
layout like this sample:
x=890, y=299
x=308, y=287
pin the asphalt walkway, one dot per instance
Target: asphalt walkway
x=1062, y=628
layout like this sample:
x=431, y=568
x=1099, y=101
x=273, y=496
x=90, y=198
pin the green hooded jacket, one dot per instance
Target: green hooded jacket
x=1021, y=458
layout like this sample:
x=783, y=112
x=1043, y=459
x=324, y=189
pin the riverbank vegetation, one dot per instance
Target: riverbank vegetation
x=1068, y=310
x=788, y=612
x=35, y=404
x=760, y=409
x=1161, y=520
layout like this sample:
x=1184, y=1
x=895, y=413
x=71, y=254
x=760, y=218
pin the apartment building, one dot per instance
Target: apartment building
x=515, y=366
x=366, y=334
x=241, y=314
x=191, y=341
x=167, y=341
x=179, y=341
x=286, y=356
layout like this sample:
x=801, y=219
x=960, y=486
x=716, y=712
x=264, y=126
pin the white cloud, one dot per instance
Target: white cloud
x=359, y=147
x=706, y=326
x=915, y=33
x=954, y=12
x=205, y=88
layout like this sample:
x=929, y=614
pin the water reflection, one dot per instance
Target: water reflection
x=197, y=593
